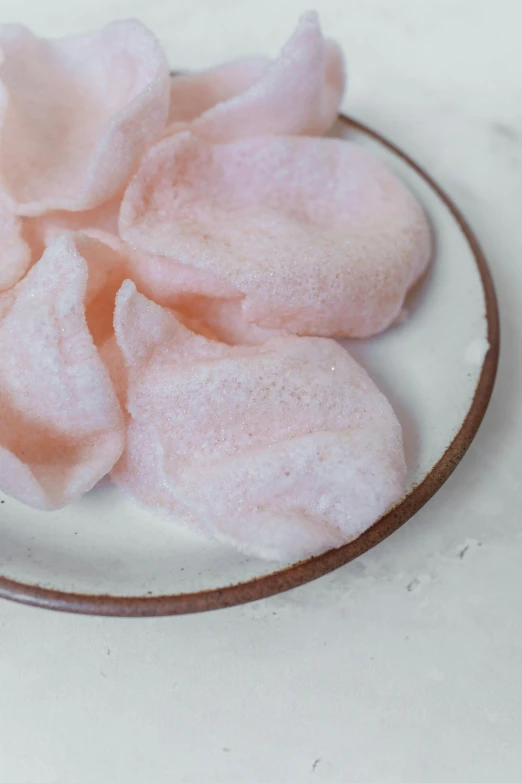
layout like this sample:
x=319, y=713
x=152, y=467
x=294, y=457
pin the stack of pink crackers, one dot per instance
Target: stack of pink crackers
x=176, y=255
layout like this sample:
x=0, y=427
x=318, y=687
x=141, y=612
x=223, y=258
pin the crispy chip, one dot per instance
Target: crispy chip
x=283, y=450
x=76, y=114
x=100, y=222
x=206, y=303
x=299, y=93
x=108, y=264
x=61, y=427
x=318, y=236
x=15, y=253
x=192, y=94
x=45, y=229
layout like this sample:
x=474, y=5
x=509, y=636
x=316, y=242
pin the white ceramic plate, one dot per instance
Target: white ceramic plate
x=105, y=555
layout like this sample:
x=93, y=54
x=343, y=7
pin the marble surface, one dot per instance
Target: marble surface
x=404, y=666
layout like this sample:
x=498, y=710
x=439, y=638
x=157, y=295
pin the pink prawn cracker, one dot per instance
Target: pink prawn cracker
x=298, y=93
x=282, y=450
x=77, y=113
x=315, y=236
x=61, y=426
x=15, y=252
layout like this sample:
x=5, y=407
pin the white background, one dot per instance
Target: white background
x=405, y=666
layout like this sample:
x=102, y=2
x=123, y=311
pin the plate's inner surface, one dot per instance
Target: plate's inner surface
x=428, y=367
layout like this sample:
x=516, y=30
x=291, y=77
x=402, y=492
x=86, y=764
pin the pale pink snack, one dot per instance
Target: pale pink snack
x=316, y=235
x=299, y=93
x=193, y=94
x=76, y=114
x=206, y=303
x=108, y=265
x=61, y=426
x=100, y=222
x=282, y=450
x=15, y=253
x=44, y=229
x=7, y=299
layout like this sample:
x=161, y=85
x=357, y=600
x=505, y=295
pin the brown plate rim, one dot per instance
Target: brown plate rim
x=312, y=568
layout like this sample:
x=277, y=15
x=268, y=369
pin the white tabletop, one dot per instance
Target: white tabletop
x=406, y=665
